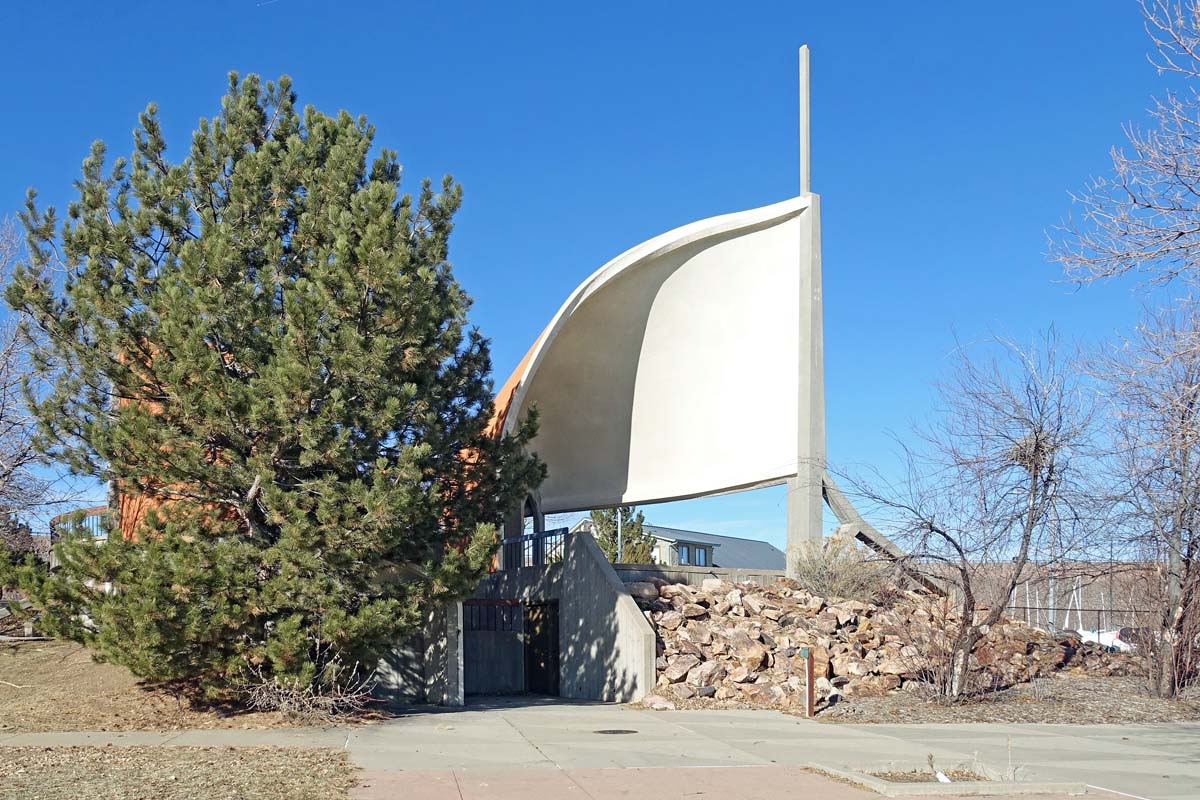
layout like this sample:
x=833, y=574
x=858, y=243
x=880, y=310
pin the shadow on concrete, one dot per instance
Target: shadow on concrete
x=606, y=648
x=493, y=703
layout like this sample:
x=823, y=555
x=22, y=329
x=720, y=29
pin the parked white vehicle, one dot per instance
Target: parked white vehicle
x=1106, y=639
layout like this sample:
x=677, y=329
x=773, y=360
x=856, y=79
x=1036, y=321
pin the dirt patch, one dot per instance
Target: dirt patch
x=173, y=773
x=1057, y=699
x=56, y=686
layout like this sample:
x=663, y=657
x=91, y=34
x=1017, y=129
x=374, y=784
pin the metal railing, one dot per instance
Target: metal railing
x=532, y=549
x=90, y=520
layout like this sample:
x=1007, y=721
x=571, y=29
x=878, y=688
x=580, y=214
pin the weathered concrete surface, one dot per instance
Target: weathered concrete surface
x=428, y=668
x=694, y=576
x=760, y=783
x=547, y=746
x=1151, y=761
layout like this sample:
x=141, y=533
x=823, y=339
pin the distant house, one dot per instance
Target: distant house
x=675, y=546
x=693, y=548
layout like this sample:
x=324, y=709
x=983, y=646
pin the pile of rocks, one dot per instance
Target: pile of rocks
x=740, y=645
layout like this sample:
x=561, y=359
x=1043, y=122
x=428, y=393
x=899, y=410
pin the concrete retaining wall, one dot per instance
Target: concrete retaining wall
x=606, y=646
x=629, y=573
x=428, y=668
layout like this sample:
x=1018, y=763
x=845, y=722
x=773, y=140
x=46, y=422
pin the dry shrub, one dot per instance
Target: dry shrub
x=840, y=567
x=345, y=693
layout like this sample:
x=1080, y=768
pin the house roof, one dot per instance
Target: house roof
x=728, y=551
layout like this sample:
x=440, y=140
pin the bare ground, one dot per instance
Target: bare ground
x=173, y=773
x=56, y=686
x=1061, y=699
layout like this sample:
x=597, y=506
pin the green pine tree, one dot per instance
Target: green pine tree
x=637, y=543
x=269, y=334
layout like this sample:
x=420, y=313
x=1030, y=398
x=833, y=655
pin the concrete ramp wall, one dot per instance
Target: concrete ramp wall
x=428, y=668
x=606, y=646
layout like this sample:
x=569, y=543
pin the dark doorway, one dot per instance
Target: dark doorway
x=541, y=648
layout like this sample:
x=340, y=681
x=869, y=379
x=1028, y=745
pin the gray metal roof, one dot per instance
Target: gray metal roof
x=728, y=551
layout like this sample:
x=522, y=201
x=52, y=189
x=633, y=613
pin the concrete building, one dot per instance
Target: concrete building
x=631, y=379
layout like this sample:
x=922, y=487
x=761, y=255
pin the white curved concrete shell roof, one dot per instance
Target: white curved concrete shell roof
x=673, y=371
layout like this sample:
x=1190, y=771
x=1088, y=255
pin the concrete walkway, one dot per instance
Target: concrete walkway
x=551, y=749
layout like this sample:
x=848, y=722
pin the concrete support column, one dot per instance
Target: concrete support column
x=805, y=503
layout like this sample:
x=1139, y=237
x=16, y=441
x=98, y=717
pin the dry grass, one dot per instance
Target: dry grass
x=55, y=686
x=919, y=776
x=1061, y=699
x=840, y=567
x=173, y=773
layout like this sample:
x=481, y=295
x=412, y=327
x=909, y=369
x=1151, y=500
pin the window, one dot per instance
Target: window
x=685, y=554
x=701, y=556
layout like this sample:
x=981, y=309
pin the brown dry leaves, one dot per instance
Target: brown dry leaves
x=64, y=690
x=1059, y=699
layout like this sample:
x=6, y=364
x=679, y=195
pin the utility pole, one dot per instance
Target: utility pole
x=1053, y=585
x=620, y=537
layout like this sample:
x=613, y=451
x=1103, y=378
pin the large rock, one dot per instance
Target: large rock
x=706, y=674
x=642, y=590
x=696, y=632
x=826, y=623
x=740, y=674
x=767, y=694
x=681, y=691
x=670, y=620
x=679, y=667
x=674, y=590
x=716, y=586
x=872, y=686
x=821, y=661
x=752, y=656
x=658, y=703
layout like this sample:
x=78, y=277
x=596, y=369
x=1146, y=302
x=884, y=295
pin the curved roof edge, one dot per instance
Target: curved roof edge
x=508, y=408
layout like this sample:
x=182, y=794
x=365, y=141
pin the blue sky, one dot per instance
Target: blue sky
x=946, y=137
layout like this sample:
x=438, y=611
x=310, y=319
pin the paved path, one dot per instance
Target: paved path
x=514, y=749
x=663, y=783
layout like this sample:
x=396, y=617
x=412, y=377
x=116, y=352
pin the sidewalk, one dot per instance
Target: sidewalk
x=518, y=748
x=742, y=783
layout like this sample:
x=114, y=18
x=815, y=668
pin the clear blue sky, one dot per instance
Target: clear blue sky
x=946, y=137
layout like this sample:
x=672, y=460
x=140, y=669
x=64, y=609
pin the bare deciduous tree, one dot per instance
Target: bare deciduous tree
x=1145, y=217
x=21, y=489
x=1152, y=384
x=996, y=488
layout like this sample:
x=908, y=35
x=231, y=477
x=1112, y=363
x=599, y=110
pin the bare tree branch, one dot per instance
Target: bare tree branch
x=1145, y=217
x=999, y=486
